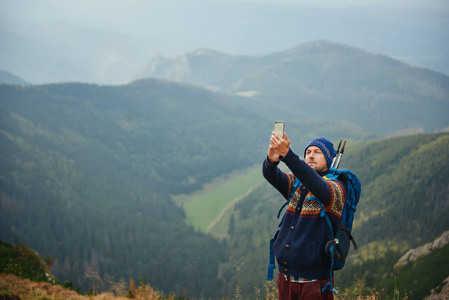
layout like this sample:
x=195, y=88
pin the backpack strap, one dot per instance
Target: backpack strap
x=331, y=245
x=272, y=261
x=329, y=285
x=324, y=214
x=348, y=233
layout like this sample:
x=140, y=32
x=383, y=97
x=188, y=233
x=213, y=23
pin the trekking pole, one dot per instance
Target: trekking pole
x=340, y=154
x=337, y=159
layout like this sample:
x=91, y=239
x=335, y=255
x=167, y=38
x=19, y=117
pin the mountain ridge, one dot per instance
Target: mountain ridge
x=338, y=81
x=319, y=48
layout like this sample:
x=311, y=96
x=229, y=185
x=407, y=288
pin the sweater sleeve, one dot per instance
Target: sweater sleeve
x=278, y=179
x=308, y=177
x=334, y=206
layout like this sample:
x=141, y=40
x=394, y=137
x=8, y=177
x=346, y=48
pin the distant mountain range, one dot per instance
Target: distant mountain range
x=320, y=81
x=361, y=94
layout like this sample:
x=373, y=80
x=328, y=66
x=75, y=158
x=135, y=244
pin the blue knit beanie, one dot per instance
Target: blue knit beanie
x=326, y=147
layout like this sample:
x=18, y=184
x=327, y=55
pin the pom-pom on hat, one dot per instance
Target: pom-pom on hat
x=326, y=147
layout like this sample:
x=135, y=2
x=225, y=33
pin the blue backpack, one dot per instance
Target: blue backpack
x=343, y=237
x=337, y=248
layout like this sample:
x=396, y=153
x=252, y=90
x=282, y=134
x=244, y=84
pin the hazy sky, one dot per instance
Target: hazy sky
x=410, y=30
x=244, y=26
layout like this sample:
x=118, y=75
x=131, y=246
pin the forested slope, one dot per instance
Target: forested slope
x=87, y=172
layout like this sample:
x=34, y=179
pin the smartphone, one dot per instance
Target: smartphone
x=279, y=127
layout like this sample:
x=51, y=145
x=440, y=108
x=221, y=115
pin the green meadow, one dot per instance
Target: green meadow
x=206, y=207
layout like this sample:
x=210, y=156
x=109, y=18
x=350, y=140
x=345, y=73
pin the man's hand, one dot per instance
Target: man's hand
x=273, y=157
x=278, y=146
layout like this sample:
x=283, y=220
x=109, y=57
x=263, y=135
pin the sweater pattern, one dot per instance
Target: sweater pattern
x=311, y=208
x=293, y=204
x=335, y=205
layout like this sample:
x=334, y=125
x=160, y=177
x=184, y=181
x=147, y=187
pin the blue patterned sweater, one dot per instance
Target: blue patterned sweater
x=301, y=240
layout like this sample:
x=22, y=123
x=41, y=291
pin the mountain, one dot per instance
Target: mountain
x=8, y=78
x=60, y=43
x=320, y=81
x=87, y=174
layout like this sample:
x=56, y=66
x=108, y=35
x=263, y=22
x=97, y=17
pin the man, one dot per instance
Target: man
x=304, y=267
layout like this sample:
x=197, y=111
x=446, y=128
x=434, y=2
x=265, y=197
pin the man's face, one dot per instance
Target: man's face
x=315, y=158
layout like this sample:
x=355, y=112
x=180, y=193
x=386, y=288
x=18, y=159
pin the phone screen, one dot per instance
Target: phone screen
x=279, y=127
